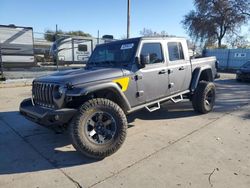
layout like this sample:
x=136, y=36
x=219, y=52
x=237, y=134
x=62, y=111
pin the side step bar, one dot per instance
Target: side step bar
x=157, y=105
x=150, y=104
x=177, y=99
x=153, y=108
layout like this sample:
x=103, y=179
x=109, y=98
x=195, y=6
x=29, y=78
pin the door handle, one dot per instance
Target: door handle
x=182, y=68
x=170, y=71
x=163, y=71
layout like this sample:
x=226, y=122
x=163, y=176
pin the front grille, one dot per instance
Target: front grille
x=43, y=94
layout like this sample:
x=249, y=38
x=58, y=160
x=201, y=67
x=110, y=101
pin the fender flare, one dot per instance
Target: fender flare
x=84, y=90
x=196, y=76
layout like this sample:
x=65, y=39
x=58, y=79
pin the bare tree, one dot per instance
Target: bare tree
x=243, y=6
x=213, y=19
x=150, y=33
x=237, y=41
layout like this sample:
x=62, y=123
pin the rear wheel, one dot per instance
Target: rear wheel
x=99, y=129
x=204, y=97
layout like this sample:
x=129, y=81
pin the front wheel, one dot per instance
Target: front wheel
x=99, y=129
x=204, y=97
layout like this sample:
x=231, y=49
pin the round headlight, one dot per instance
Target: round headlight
x=59, y=92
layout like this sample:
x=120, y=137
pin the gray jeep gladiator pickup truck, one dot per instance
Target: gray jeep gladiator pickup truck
x=120, y=78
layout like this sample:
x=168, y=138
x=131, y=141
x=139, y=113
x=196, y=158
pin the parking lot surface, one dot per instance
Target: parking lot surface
x=171, y=147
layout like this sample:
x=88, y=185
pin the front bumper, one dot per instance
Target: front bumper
x=45, y=116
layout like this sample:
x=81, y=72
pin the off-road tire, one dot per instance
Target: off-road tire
x=81, y=141
x=199, y=98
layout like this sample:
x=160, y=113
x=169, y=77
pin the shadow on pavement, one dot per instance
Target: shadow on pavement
x=167, y=111
x=28, y=147
x=231, y=95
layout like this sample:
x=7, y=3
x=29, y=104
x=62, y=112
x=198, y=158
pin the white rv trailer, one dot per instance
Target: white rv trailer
x=73, y=50
x=16, y=46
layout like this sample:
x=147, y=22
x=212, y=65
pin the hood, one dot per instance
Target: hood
x=81, y=76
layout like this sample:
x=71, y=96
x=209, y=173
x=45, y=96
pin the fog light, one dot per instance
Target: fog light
x=56, y=117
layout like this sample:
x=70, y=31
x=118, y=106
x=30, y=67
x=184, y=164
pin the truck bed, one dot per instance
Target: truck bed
x=203, y=62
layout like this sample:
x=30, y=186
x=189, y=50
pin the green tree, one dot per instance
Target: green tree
x=213, y=19
x=78, y=33
x=50, y=35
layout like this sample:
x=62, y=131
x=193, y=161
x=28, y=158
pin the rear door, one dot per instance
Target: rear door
x=179, y=68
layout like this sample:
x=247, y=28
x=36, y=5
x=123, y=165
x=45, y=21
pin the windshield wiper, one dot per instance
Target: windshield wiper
x=108, y=62
x=91, y=63
x=104, y=63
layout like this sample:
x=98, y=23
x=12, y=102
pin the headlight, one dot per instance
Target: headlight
x=59, y=91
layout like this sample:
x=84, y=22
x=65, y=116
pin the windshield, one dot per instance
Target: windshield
x=247, y=64
x=113, y=54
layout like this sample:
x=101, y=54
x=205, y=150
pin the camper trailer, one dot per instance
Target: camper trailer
x=75, y=50
x=16, y=44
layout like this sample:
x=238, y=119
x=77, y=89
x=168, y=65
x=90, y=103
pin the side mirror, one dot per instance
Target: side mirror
x=82, y=48
x=145, y=59
x=138, y=63
x=142, y=61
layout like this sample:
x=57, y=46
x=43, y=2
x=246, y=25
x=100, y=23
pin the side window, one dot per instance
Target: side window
x=175, y=51
x=154, y=51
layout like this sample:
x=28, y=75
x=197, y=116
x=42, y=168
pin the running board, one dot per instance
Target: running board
x=153, y=108
x=157, y=101
x=177, y=99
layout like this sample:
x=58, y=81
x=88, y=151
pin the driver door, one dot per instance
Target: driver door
x=152, y=80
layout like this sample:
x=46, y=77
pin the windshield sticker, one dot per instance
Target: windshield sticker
x=127, y=46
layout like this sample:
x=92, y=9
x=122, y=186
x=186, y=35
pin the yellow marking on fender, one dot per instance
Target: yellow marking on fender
x=123, y=82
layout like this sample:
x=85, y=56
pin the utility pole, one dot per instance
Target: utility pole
x=2, y=78
x=98, y=36
x=56, y=48
x=128, y=19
